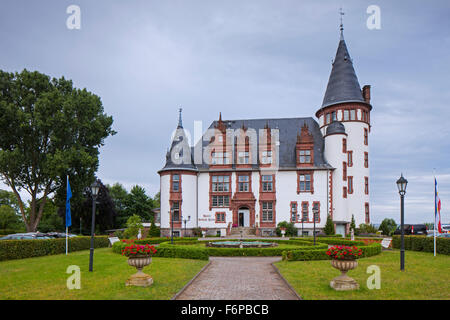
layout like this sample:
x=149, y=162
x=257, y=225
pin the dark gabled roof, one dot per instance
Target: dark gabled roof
x=343, y=85
x=288, y=128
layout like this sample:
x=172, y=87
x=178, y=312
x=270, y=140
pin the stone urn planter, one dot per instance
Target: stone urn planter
x=283, y=232
x=344, y=258
x=344, y=282
x=140, y=278
x=139, y=256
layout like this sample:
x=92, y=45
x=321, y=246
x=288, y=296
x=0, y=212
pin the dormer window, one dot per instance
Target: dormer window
x=243, y=157
x=304, y=156
x=266, y=157
x=219, y=158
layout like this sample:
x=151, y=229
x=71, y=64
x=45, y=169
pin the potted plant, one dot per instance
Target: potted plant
x=283, y=231
x=139, y=256
x=344, y=258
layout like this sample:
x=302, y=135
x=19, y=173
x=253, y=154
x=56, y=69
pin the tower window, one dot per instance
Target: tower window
x=350, y=184
x=344, y=170
x=176, y=211
x=366, y=159
x=328, y=118
x=366, y=136
x=175, y=183
x=366, y=185
x=367, y=213
x=350, y=158
x=344, y=145
x=333, y=116
x=346, y=115
x=353, y=114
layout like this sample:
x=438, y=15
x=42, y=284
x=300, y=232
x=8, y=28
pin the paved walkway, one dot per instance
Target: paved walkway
x=239, y=278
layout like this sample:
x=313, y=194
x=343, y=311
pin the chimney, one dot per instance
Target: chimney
x=366, y=93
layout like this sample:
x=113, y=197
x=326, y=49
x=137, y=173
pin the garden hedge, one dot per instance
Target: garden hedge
x=158, y=240
x=303, y=255
x=331, y=241
x=423, y=243
x=178, y=249
x=302, y=249
x=20, y=249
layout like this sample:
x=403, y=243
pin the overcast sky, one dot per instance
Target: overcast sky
x=249, y=59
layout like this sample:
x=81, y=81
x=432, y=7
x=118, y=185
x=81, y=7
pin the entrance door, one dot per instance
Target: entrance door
x=244, y=218
x=340, y=229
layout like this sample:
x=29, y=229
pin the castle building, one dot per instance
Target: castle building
x=251, y=174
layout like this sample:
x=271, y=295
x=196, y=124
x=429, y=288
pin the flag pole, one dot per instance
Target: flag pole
x=435, y=211
x=67, y=228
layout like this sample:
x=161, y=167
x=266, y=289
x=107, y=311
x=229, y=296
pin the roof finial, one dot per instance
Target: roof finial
x=341, y=12
x=180, y=122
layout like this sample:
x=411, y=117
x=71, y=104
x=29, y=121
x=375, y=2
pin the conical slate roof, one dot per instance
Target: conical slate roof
x=179, y=156
x=343, y=85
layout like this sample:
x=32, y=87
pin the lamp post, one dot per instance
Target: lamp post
x=171, y=224
x=94, y=191
x=185, y=221
x=401, y=184
x=314, y=228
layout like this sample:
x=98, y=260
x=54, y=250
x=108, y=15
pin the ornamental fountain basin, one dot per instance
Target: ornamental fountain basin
x=241, y=244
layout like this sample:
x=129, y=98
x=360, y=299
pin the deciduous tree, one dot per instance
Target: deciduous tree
x=49, y=129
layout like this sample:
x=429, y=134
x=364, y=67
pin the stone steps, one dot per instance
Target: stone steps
x=246, y=231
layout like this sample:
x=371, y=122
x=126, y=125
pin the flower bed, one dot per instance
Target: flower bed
x=136, y=250
x=344, y=253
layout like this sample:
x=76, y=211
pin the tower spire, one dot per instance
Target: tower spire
x=341, y=27
x=180, y=122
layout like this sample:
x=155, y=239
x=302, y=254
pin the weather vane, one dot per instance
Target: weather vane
x=341, y=12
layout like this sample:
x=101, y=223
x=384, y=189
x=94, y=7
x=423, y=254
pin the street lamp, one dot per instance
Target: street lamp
x=95, y=187
x=171, y=224
x=315, y=211
x=401, y=184
x=185, y=221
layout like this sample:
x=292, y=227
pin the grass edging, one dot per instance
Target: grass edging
x=286, y=282
x=190, y=281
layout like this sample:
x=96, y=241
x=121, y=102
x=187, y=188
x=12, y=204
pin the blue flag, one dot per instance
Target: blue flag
x=69, y=195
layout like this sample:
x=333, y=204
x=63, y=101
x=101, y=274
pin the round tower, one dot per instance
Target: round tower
x=344, y=120
x=178, y=187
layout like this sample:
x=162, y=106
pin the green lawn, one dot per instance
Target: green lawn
x=425, y=277
x=45, y=277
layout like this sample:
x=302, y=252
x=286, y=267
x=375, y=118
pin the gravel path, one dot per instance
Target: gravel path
x=239, y=278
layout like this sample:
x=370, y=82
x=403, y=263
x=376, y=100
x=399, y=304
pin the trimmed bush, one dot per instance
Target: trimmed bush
x=170, y=251
x=333, y=241
x=20, y=249
x=423, y=243
x=303, y=255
